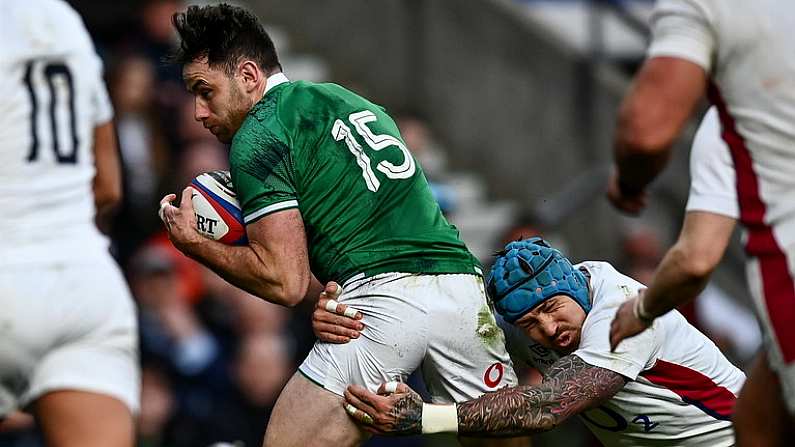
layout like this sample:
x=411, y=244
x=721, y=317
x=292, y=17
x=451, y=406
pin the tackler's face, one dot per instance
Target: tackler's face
x=219, y=102
x=556, y=324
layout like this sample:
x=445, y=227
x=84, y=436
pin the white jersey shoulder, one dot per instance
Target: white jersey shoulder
x=55, y=98
x=680, y=388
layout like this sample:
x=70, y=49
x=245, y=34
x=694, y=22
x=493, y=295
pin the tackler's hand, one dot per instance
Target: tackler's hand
x=395, y=410
x=626, y=323
x=334, y=322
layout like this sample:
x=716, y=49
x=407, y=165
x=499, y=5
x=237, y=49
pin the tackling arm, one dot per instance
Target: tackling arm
x=275, y=264
x=569, y=387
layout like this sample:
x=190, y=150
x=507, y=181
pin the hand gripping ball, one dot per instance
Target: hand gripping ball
x=218, y=213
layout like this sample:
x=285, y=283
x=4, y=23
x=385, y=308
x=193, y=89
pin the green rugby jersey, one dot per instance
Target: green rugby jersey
x=340, y=160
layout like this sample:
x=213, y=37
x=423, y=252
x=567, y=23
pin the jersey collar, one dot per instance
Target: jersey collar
x=273, y=81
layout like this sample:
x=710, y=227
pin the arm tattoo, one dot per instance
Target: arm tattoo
x=569, y=387
x=407, y=414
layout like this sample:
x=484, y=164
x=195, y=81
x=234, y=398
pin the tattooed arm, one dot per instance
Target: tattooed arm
x=569, y=387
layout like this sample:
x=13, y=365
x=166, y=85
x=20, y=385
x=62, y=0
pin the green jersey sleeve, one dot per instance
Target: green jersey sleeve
x=262, y=170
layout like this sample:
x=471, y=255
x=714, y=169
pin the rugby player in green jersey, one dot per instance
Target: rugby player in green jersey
x=327, y=186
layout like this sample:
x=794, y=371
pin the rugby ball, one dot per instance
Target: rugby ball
x=218, y=213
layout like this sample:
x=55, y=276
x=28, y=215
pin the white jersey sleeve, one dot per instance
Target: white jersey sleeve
x=683, y=29
x=712, y=176
x=102, y=107
x=632, y=355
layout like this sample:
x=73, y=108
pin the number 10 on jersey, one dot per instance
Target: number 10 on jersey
x=340, y=131
x=60, y=95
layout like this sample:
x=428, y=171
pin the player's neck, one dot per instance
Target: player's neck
x=264, y=86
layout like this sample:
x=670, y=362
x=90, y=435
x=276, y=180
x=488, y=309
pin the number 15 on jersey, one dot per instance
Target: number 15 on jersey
x=340, y=131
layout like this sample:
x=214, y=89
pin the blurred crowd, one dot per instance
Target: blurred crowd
x=213, y=357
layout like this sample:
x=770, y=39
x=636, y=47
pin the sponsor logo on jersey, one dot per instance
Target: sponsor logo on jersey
x=493, y=375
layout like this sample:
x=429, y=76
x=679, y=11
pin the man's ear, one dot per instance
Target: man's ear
x=251, y=75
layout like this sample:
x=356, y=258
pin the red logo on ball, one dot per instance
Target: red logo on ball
x=493, y=375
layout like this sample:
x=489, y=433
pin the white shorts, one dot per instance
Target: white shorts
x=442, y=324
x=67, y=326
x=770, y=278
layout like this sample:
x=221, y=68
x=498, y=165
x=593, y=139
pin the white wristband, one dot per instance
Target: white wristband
x=439, y=419
x=640, y=311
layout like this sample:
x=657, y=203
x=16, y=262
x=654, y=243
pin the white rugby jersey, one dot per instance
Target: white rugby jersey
x=712, y=178
x=53, y=100
x=681, y=389
x=746, y=47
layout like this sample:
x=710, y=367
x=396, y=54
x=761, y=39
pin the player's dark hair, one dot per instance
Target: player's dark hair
x=224, y=34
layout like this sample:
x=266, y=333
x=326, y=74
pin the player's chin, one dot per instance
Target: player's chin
x=224, y=137
x=566, y=342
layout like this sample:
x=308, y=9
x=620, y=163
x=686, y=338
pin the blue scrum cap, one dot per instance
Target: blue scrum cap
x=528, y=272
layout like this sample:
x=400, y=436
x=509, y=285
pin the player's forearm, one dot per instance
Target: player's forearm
x=516, y=411
x=571, y=386
x=673, y=285
x=272, y=277
x=641, y=148
x=107, y=180
x=686, y=268
x=637, y=169
x=662, y=98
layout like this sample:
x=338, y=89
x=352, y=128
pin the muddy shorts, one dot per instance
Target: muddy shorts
x=439, y=324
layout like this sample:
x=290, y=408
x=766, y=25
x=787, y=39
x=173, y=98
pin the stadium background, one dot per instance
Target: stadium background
x=509, y=105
